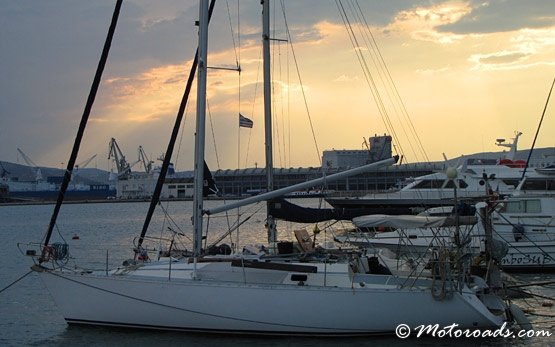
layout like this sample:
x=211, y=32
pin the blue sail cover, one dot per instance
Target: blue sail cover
x=285, y=210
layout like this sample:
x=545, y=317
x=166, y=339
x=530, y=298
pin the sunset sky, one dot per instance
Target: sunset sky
x=467, y=72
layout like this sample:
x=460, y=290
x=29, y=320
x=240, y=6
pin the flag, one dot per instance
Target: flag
x=209, y=185
x=245, y=122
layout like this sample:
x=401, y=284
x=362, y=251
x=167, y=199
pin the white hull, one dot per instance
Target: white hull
x=437, y=189
x=531, y=256
x=525, y=223
x=340, y=308
x=521, y=255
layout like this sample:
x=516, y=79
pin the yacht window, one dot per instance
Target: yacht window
x=462, y=184
x=523, y=206
x=539, y=184
x=514, y=207
x=533, y=206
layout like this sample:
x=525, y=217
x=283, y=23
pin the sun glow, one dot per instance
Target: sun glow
x=439, y=74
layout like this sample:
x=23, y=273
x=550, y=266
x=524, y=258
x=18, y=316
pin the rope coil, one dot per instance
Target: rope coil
x=441, y=270
x=57, y=251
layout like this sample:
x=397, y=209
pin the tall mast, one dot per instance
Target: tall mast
x=200, y=129
x=82, y=125
x=173, y=138
x=272, y=236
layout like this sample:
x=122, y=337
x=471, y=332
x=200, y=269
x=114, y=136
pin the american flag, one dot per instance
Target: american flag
x=245, y=122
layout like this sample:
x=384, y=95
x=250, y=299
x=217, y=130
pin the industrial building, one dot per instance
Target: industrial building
x=376, y=149
x=252, y=181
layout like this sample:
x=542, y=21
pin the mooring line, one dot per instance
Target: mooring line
x=14, y=282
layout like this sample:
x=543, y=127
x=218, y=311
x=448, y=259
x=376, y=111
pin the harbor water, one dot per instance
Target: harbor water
x=102, y=234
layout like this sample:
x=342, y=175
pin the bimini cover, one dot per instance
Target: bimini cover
x=408, y=221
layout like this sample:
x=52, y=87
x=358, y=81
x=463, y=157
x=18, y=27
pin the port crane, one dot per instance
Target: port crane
x=31, y=163
x=81, y=165
x=122, y=166
x=84, y=163
x=147, y=163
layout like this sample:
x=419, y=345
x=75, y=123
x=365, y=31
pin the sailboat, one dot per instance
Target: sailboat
x=260, y=296
x=523, y=224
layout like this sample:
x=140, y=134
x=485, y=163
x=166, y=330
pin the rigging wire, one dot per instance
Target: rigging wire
x=291, y=46
x=276, y=128
x=288, y=110
x=290, y=40
x=237, y=50
x=379, y=69
x=237, y=54
x=281, y=99
x=534, y=243
x=257, y=81
x=387, y=81
x=164, y=209
x=239, y=223
x=215, y=149
x=275, y=123
x=237, y=59
x=181, y=136
x=368, y=76
x=537, y=131
x=371, y=50
x=170, y=219
x=396, y=91
x=383, y=75
x=281, y=139
x=213, y=135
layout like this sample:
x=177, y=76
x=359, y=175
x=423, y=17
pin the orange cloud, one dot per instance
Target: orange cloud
x=145, y=97
x=525, y=48
x=421, y=23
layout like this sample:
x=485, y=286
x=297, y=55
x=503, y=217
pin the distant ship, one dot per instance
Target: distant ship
x=24, y=183
x=48, y=190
